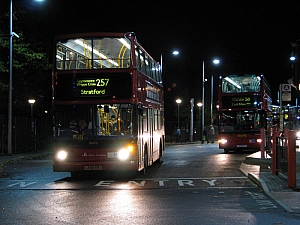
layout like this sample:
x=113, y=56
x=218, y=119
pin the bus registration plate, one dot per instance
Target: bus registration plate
x=78, y=137
x=92, y=167
x=112, y=155
x=241, y=146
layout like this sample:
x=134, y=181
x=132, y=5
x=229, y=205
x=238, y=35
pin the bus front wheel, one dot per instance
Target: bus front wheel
x=160, y=151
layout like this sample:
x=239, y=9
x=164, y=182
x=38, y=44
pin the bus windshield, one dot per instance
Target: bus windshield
x=89, y=122
x=92, y=53
x=238, y=121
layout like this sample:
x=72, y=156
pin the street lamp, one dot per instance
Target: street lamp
x=199, y=105
x=192, y=119
x=294, y=58
x=215, y=61
x=294, y=81
x=11, y=34
x=31, y=102
x=175, y=52
x=178, y=101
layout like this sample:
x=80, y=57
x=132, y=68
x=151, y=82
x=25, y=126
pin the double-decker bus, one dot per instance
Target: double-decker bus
x=108, y=107
x=245, y=106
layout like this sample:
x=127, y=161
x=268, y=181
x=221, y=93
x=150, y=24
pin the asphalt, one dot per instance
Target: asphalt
x=256, y=168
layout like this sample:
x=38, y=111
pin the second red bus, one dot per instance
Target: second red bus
x=245, y=106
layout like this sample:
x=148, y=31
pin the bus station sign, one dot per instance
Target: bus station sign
x=286, y=92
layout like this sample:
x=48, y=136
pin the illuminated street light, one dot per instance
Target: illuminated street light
x=11, y=35
x=33, y=130
x=31, y=102
x=294, y=59
x=215, y=61
x=173, y=53
x=178, y=101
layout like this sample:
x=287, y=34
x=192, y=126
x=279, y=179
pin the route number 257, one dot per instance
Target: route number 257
x=102, y=82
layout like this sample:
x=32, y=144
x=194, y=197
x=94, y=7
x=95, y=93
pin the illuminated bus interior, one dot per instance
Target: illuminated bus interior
x=81, y=122
x=238, y=83
x=104, y=53
x=92, y=53
x=86, y=123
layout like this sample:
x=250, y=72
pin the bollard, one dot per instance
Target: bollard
x=274, y=152
x=262, y=143
x=291, y=159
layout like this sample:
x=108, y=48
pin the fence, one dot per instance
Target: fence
x=23, y=139
x=284, y=155
x=20, y=134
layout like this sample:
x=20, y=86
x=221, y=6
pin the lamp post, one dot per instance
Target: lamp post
x=211, y=99
x=199, y=105
x=178, y=101
x=294, y=80
x=294, y=58
x=192, y=119
x=215, y=61
x=11, y=34
x=31, y=102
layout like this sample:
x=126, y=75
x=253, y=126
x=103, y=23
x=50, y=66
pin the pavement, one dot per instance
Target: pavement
x=6, y=159
x=259, y=170
x=256, y=168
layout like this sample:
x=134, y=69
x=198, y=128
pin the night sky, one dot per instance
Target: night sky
x=247, y=36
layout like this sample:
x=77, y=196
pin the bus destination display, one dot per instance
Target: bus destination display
x=240, y=102
x=71, y=87
x=90, y=87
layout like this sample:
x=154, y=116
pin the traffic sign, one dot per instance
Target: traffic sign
x=286, y=92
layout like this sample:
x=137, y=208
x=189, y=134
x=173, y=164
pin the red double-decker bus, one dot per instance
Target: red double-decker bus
x=108, y=107
x=245, y=106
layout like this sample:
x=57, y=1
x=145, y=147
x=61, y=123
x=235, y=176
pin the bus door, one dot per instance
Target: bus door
x=150, y=140
x=145, y=126
x=142, y=125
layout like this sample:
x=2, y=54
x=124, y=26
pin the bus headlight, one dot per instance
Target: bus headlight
x=62, y=155
x=222, y=141
x=124, y=153
x=259, y=140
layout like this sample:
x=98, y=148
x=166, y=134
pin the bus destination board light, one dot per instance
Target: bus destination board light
x=90, y=87
x=229, y=102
